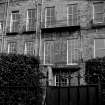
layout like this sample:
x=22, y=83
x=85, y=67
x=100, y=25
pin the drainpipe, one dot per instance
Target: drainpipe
x=59, y=88
x=40, y=43
x=6, y=18
x=99, y=90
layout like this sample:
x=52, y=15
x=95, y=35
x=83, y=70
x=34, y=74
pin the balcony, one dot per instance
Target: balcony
x=62, y=52
x=28, y=30
x=22, y=30
x=96, y=0
x=8, y=32
x=69, y=68
x=97, y=24
x=59, y=26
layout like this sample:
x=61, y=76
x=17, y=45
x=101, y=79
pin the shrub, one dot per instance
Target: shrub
x=95, y=70
x=20, y=79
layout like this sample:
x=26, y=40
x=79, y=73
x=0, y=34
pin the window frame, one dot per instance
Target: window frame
x=63, y=75
x=27, y=50
x=32, y=18
x=44, y=61
x=73, y=50
x=11, y=47
x=1, y=45
x=94, y=21
x=76, y=51
x=50, y=16
x=1, y=26
x=68, y=6
x=98, y=48
x=14, y=21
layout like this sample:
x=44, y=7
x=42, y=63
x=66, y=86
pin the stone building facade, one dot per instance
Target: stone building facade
x=3, y=8
x=72, y=32
x=63, y=33
x=21, y=26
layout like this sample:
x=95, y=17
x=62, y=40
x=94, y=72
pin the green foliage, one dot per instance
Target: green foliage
x=20, y=74
x=95, y=70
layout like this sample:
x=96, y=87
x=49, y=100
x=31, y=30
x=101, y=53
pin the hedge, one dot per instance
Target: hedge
x=20, y=79
x=95, y=70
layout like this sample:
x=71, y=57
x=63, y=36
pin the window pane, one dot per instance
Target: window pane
x=1, y=45
x=1, y=26
x=48, y=11
x=15, y=15
x=52, y=21
x=29, y=48
x=15, y=26
x=75, y=19
x=32, y=13
x=50, y=16
x=52, y=11
x=70, y=9
x=70, y=21
x=60, y=51
x=99, y=17
x=75, y=10
x=56, y=52
x=69, y=51
x=49, y=52
x=98, y=12
x=99, y=43
x=99, y=7
x=72, y=14
x=100, y=53
x=73, y=51
x=31, y=26
x=100, y=47
x=48, y=21
x=62, y=78
x=12, y=47
x=15, y=21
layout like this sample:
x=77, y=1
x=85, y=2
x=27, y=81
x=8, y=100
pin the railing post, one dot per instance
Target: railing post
x=99, y=91
x=78, y=90
x=88, y=98
x=69, y=78
x=59, y=88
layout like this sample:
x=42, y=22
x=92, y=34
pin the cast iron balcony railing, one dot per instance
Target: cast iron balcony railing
x=59, y=23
